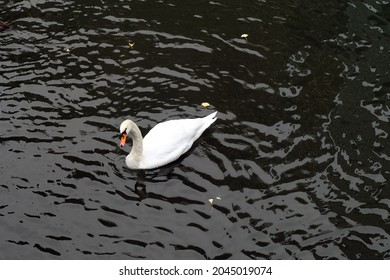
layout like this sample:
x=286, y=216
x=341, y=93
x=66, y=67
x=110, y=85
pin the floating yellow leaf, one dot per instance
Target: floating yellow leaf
x=218, y=197
x=68, y=50
x=211, y=200
x=245, y=36
x=205, y=104
x=131, y=45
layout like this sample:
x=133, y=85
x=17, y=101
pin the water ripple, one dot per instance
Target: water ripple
x=294, y=168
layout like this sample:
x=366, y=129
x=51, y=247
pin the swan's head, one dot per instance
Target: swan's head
x=125, y=129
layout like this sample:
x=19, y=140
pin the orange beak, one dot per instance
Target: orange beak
x=123, y=139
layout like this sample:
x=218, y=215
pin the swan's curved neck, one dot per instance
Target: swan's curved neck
x=137, y=149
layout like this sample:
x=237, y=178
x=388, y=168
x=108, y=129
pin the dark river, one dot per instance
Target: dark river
x=295, y=167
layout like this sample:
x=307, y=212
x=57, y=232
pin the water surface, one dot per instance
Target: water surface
x=297, y=165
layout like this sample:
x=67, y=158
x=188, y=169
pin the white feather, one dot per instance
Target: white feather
x=165, y=142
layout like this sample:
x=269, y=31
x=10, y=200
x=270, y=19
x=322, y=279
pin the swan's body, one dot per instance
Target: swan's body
x=164, y=143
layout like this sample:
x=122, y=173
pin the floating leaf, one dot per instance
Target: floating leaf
x=131, y=45
x=245, y=36
x=205, y=104
x=211, y=200
x=218, y=197
x=68, y=50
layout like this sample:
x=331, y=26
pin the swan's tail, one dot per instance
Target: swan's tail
x=208, y=120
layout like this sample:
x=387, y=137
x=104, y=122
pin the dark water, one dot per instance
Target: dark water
x=297, y=164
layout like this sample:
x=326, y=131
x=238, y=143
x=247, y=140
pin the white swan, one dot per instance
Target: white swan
x=164, y=143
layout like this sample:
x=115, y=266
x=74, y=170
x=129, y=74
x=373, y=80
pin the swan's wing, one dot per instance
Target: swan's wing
x=167, y=141
x=166, y=136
